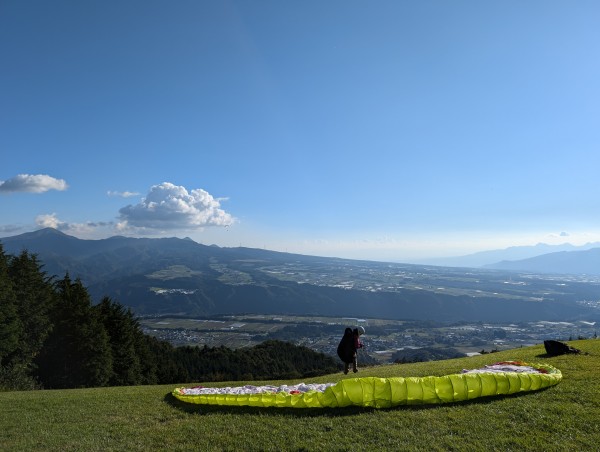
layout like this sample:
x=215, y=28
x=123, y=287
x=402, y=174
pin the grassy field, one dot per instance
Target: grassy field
x=565, y=417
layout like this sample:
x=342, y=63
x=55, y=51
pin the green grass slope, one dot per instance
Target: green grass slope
x=565, y=417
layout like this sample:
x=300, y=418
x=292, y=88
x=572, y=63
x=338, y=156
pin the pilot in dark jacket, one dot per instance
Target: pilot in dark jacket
x=348, y=346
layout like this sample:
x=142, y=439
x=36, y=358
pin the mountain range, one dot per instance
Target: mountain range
x=568, y=262
x=522, y=258
x=158, y=276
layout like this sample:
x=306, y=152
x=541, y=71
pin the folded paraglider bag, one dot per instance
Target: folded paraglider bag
x=554, y=348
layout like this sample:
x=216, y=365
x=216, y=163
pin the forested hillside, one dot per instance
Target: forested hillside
x=53, y=336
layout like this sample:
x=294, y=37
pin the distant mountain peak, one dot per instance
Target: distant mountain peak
x=47, y=231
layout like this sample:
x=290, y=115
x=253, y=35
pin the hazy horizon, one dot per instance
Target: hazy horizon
x=509, y=253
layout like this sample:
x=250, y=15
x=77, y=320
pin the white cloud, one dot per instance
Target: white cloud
x=80, y=230
x=51, y=221
x=122, y=194
x=32, y=183
x=560, y=235
x=171, y=207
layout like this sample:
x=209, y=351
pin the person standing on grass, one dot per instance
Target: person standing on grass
x=348, y=347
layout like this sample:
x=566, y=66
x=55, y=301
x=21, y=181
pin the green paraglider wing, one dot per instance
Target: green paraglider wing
x=498, y=379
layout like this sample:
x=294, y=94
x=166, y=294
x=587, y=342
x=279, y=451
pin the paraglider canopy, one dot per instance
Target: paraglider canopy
x=503, y=378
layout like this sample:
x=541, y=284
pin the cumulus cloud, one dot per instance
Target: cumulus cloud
x=51, y=221
x=122, y=194
x=171, y=207
x=79, y=229
x=32, y=183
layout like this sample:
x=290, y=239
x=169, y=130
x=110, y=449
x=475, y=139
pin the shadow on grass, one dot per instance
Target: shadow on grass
x=192, y=408
x=546, y=355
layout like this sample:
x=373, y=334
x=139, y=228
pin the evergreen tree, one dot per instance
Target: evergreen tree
x=33, y=293
x=14, y=372
x=168, y=367
x=269, y=360
x=122, y=329
x=52, y=331
x=147, y=358
x=11, y=328
x=77, y=352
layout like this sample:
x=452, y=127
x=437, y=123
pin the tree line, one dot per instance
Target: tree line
x=53, y=336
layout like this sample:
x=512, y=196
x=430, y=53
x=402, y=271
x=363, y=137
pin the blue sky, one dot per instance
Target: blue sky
x=387, y=130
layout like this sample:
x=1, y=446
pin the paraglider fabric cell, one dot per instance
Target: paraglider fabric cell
x=503, y=378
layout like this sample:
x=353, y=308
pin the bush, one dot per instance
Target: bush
x=16, y=378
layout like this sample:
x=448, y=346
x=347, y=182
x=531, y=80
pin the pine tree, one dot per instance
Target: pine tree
x=147, y=358
x=122, y=328
x=77, y=352
x=11, y=328
x=33, y=294
x=168, y=368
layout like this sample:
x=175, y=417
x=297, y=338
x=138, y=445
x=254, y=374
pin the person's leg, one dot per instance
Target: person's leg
x=354, y=363
x=346, y=367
